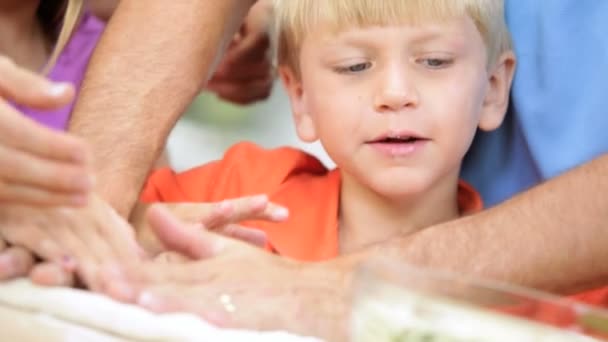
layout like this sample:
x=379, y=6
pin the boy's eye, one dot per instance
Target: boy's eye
x=355, y=68
x=435, y=63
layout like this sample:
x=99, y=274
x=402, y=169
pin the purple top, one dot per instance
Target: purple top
x=70, y=67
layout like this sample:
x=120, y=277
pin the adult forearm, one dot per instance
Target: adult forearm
x=553, y=237
x=151, y=62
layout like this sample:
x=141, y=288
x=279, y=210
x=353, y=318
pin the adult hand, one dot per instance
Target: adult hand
x=233, y=284
x=222, y=217
x=245, y=74
x=38, y=166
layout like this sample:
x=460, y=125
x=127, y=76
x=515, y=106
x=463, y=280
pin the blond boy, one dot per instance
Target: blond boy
x=395, y=91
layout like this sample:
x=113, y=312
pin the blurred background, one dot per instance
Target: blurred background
x=210, y=126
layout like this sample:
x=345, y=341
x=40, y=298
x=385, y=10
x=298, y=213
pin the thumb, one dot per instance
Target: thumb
x=182, y=238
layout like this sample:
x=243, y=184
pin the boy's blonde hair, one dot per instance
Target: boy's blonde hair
x=69, y=17
x=294, y=18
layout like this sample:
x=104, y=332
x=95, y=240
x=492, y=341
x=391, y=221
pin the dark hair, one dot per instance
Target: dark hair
x=50, y=13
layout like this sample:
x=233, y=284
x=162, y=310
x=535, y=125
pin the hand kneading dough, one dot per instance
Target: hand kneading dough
x=32, y=313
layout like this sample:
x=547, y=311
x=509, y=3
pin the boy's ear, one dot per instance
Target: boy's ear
x=297, y=98
x=499, y=88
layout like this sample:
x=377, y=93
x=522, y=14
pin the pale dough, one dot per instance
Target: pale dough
x=32, y=313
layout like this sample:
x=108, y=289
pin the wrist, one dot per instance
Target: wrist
x=120, y=196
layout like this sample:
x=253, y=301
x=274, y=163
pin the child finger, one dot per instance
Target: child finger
x=252, y=236
x=212, y=214
x=180, y=237
x=252, y=208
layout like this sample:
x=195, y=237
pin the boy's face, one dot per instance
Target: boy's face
x=396, y=107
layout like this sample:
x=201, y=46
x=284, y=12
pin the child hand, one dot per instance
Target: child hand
x=17, y=261
x=222, y=217
x=79, y=240
x=38, y=166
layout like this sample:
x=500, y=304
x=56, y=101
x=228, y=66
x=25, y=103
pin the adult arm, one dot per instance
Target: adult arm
x=149, y=65
x=553, y=237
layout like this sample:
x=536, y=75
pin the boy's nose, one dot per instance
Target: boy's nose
x=395, y=93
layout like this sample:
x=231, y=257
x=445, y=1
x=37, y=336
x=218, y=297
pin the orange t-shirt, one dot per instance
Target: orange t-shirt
x=291, y=178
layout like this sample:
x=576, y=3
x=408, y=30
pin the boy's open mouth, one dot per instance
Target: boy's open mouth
x=403, y=144
x=397, y=139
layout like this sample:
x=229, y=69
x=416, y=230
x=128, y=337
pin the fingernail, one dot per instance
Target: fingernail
x=280, y=214
x=58, y=89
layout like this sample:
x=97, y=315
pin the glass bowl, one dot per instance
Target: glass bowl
x=398, y=303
